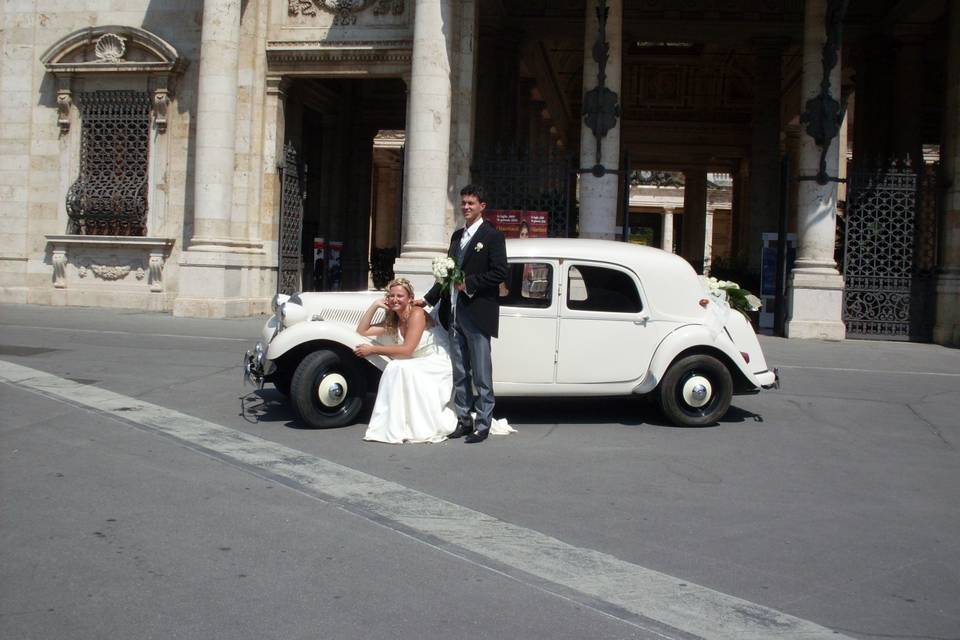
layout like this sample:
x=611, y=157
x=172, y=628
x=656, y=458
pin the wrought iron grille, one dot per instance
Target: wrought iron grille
x=292, y=195
x=886, y=246
x=539, y=180
x=110, y=195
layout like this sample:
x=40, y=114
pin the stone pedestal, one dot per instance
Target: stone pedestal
x=815, y=288
x=598, y=195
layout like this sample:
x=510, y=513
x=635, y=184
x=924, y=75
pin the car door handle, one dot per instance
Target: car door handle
x=642, y=319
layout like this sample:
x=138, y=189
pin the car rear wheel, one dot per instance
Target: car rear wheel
x=696, y=391
x=327, y=390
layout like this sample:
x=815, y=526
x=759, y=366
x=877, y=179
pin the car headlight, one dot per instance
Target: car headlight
x=291, y=313
x=277, y=301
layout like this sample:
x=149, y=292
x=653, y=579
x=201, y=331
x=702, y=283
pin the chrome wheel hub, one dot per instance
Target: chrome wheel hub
x=697, y=391
x=332, y=390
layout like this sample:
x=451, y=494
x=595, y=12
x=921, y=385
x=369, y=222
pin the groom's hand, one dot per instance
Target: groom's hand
x=419, y=302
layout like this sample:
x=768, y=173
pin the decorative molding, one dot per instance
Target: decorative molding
x=107, y=50
x=60, y=267
x=110, y=47
x=345, y=11
x=64, y=104
x=110, y=272
x=285, y=52
x=155, y=266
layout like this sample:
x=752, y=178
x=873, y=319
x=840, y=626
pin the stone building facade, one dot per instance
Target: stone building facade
x=168, y=155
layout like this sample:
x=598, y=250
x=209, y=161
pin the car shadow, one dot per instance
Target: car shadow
x=269, y=405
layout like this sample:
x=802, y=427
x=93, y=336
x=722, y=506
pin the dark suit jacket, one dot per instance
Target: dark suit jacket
x=485, y=267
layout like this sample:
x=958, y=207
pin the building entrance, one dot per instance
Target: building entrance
x=349, y=137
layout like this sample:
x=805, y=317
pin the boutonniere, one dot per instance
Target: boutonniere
x=478, y=247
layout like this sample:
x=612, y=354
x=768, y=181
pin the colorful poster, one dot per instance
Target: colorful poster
x=326, y=264
x=515, y=223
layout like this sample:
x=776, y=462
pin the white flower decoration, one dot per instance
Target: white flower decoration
x=479, y=246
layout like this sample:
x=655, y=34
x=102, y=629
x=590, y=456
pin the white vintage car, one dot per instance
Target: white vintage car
x=579, y=318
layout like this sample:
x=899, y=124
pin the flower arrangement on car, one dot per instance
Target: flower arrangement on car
x=446, y=272
x=730, y=292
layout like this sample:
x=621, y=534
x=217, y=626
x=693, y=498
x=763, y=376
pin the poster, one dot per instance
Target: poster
x=768, y=274
x=326, y=264
x=515, y=223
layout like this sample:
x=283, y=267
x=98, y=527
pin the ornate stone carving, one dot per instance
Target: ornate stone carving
x=110, y=47
x=155, y=265
x=344, y=11
x=110, y=272
x=64, y=102
x=60, y=267
x=139, y=273
x=161, y=101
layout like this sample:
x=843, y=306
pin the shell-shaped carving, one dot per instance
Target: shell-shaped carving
x=110, y=47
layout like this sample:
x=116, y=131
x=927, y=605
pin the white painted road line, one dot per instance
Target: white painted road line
x=888, y=372
x=659, y=603
x=129, y=333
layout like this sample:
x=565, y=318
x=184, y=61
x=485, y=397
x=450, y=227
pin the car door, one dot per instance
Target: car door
x=524, y=352
x=605, y=334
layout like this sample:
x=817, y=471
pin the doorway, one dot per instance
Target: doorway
x=349, y=135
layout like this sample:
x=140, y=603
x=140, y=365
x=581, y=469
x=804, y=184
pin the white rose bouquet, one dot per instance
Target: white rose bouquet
x=446, y=272
x=730, y=292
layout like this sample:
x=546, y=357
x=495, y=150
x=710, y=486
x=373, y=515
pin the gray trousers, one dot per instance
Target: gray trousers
x=472, y=370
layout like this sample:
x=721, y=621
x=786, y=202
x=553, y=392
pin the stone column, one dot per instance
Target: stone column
x=598, y=194
x=946, y=330
x=427, y=165
x=693, y=239
x=666, y=242
x=216, y=123
x=223, y=272
x=764, y=152
x=815, y=296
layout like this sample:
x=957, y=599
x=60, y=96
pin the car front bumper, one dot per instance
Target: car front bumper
x=256, y=367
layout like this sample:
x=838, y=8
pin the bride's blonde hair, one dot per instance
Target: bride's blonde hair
x=392, y=321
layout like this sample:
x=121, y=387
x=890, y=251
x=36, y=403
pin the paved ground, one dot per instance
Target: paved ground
x=146, y=494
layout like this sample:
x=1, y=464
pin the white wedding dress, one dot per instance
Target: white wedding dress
x=415, y=398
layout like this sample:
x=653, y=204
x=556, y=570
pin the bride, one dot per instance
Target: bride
x=414, y=402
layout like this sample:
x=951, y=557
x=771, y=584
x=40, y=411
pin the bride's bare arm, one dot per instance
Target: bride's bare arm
x=411, y=339
x=364, y=327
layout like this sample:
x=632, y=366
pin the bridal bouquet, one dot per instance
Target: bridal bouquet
x=739, y=299
x=446, y=272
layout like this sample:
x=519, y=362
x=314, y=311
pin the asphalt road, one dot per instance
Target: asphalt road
x=144, y=493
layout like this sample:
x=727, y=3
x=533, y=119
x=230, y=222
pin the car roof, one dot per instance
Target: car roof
x=636, y=256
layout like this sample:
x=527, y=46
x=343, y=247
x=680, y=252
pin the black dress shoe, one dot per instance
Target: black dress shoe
x=461, y=430
x=477, y=436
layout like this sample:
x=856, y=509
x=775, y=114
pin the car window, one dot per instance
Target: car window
x=591, y=288
x=528, y=284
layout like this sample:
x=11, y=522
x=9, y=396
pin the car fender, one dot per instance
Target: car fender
x=312, y=331
x=685, y=338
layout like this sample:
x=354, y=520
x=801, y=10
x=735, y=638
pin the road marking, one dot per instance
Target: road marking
x=895, y=373
x=128, y=333
x=663, y=605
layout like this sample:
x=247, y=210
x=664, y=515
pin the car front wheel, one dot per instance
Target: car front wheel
x=696, y=391
x=327, y=390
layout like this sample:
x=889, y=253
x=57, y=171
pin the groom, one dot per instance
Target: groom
x=471, y=313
